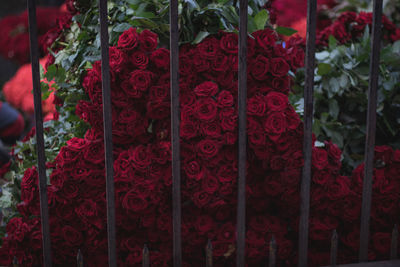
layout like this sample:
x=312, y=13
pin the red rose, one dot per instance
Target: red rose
x=208, y=148
x=279, y=67
x=227, y=232
x=211, y=129
x=275, y=123
x=128, y=40
x=148, y=41
x=193, y=170
x=256, y=106
x=139, y=59
x=204, y=224
x=210, y=185
x=229, y=43
x=86, y=209
x=221, y=63
x=206, y=89
x=208, y=48
x=133, y=202
x=158, y=110
x=161, y=58
x=228, y=122
x=225, y=99
x=281, y=84
x=200, y=199
x=117, y=59
x=189, y=129
x=381, y=242
x=159, y=93
x=206, y=109
x=137, y=83
x=276, y=101
x=259, y=68
x=71, y=236
x=17, y=229
x=200, y=63
x=265, y=38
x=319, y=158
x=140, y=157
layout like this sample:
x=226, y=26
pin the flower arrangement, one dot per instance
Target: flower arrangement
x=139, y=61
x=140, y=86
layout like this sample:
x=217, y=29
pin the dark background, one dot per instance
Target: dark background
x=9, y=7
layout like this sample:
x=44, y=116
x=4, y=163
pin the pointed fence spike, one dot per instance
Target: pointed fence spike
x=394, y=244
x=146, y=256
x=15, y=262
x=209, y=254
x=272, y=252
x=334, y=247
x=79, y=258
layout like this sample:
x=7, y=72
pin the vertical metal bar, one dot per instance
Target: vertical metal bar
x=334, y=248
x=79, y=259
x=394, y=243
x=371, y=128
x=272, y=253
x=108, y=146
x=307, y=142
x=242, y=139
x=175, y=116
x=146, y=257
x=209, y=254
x=37, y=96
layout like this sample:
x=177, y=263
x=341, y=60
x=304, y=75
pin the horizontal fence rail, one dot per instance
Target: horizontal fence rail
x=242, y=143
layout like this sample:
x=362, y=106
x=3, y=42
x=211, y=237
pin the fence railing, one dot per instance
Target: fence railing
x=175, y=120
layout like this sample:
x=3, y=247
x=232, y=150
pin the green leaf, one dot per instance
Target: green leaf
x=122, y=27
x=200, y=37
x=324, y=68
x=51, y=72
x=334, y=85
x=396, y=47
x=285, y=31
x=334, y=108
x=192, y=5
x=260, y=19
x=332, y=42
x=322, y=55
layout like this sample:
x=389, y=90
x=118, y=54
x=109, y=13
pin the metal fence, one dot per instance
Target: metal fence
x=242, y=88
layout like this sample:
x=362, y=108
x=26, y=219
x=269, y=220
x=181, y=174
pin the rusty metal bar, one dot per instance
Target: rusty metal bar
x=175, y=116
x=394, y=243
x=242, y=138
x=371, y=129
x=334, y=248
x=272, y=253
x=79, y=259
x=37, y=96
x=146, y=257
x=307, y=142
x=108, y=146
x=209, y=254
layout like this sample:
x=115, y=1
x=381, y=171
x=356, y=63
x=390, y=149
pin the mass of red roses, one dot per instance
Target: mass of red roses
x=14, y=42
x=142, y=165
